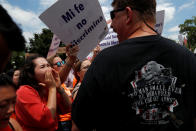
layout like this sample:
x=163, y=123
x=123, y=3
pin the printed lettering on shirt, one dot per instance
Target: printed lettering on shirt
x=153, y=93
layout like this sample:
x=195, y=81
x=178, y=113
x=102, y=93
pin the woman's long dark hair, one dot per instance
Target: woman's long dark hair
x=27, y=76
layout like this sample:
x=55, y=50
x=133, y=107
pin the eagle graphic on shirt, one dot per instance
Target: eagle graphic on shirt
x=153, y=93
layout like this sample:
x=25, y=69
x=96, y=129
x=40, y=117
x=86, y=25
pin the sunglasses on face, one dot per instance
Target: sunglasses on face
x=60, y=63
x=112, y=13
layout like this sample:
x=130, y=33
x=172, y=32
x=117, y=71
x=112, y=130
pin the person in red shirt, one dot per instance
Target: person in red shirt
x=7, y=101
x=40, y=98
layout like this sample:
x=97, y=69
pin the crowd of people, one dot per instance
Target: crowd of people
x=146, y=82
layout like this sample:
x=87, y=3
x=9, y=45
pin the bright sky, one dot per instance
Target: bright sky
x=26, y=12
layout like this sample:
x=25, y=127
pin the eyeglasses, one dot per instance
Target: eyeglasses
x=85, y=67
x=60, y=63
x=112, y=13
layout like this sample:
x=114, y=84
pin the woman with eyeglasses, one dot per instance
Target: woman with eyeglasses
x=64, y=120
x=59, y=65
x=80, y=69
x=64, y=67
x=40, y=97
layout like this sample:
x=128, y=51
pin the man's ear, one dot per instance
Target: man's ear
x=129, y=13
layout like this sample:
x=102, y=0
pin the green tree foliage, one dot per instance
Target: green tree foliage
x=189, y=29
x=40, y=43
x=17, y=61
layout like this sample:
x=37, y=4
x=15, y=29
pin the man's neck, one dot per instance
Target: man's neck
x=141, y=29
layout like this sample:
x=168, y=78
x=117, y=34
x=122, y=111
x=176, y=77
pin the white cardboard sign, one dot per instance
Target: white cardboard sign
x=110, y=39
x=181, y=39
x=54, y=46
x=160, y=15
x=79, y=22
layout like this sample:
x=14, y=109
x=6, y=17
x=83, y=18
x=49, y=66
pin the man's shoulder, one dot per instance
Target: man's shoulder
x=111, y=54
x=107, y=53
x=25, y=90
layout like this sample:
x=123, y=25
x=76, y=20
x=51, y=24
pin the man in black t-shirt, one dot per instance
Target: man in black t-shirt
x=147, y=82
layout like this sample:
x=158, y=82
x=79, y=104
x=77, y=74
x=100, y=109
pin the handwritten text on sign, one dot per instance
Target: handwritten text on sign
x=79, y=22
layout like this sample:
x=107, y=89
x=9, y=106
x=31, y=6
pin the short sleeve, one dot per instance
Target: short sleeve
x=30, y=109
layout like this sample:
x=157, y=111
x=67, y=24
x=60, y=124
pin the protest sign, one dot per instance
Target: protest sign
x=194, y=51
x=160, y=15
x=181, y=39
x=77, y=22
x=110, y=39
x=53, y=47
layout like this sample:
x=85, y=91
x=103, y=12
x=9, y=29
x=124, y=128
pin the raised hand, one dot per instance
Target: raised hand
x=72, y=51
x=96, y=50
x=56, y=78
x=52, y=79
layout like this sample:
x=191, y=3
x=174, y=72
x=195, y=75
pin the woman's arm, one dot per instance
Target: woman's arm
x=64, y=72
x=96, y=51
x=70, y=60
x=66, y=100
x=51, y=104
x=52, y=81
x=15, y=124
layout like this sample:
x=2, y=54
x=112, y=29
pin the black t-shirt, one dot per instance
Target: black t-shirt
x=145, y=83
